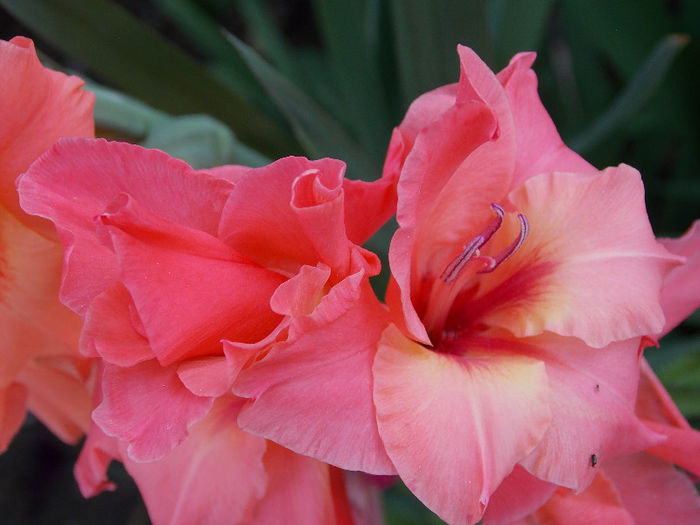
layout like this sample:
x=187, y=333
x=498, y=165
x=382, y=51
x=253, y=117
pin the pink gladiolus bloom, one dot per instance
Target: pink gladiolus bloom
x=164, y=263
x=40, y=368
x=523, y=281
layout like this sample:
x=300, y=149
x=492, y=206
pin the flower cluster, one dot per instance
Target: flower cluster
x=220, y=336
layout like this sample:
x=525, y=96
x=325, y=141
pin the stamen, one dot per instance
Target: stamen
x=452, y=270
x=509, y=250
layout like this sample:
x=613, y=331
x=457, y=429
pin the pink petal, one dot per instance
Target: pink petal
x=205, y=376
x=147, y=406
x=60, y=399
x=91, y=468
x=313, y=394
x=600, y=503
x=658, y=412
x=231, y=172
x=682, y=446
x=364, y=493
x=653, y=491
x=108, y=331
x=216, y=475
x=438, y=190
x=301, y=294
x=318, y=202
x=299, y=490
x=289, y=213
x=592, y=399
x=368, y=205
x=78, y=178
x=478, y=82
x=12, y=410
x=34, y=321
x=37, y=106
x=190, y=290
x=679, y=300
x=519, y=495
x=424, y=111
x=590, y=266
x=454, y=427
x=540, y=149
x=654, y=402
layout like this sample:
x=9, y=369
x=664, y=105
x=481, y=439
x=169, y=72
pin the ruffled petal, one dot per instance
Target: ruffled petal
x=216, y=475
x=313, y=394
x=109, y=332
x=455, y=427
x=289, y=213
x=147, y=406
x=78, y=178
x=176, y=276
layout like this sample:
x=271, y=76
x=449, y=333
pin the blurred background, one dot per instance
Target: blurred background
x=247, y=81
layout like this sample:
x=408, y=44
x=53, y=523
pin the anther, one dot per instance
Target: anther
x=511, y=249
x=452, y=270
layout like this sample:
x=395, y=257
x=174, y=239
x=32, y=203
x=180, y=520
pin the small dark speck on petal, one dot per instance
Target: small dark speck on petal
x=594, y=460
x=597, y=388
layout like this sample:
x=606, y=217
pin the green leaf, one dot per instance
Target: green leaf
x=351, y=36
x=133, y=57
x=204, y=32
x=118, y=112
x=201, y=141
x=624, y=30
x=517, y=25
x=427, y=34
x=265, y=35
x=314, y=128
x=636, y=93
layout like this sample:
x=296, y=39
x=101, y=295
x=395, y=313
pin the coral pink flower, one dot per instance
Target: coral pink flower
x=524, y=280
x=164, y=263
x=40, y=368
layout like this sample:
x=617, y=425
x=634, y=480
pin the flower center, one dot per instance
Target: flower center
x=464, y=267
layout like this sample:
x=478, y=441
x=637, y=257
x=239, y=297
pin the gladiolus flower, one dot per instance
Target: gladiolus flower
x=164, y=263
x=523, y=281
x=40, y=368
x=177, y=261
